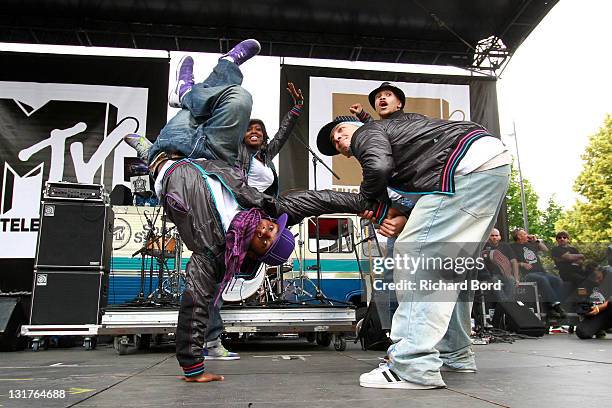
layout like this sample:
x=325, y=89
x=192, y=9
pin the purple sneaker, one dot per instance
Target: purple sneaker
x=244, y=51
x=184, y=81
x=140, y=143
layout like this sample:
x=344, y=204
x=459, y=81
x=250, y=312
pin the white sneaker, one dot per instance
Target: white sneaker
x=219, y=353
x=383, y=377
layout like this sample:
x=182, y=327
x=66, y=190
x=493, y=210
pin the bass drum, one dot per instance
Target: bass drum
x=262, y=288
x=240, y=289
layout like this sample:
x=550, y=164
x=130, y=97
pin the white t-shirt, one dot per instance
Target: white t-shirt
x=480, y=153
x=260, y=176
x=224, y=200
x=226, y=204
x=160, y=177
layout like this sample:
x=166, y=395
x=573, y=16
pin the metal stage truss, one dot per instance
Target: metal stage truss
x=479, y=35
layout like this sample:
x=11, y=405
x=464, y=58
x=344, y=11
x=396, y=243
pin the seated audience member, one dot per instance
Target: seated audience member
x=599, y=318
x=568, y=260
x=501, y=263
x=526, y=248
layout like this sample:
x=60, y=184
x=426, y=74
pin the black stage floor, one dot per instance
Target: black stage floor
x=555, y=371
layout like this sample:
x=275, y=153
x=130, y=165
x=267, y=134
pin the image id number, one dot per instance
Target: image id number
x=37, y=394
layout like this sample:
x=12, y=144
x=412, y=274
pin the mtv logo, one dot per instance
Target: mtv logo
x=59, y=132
x=119, y=233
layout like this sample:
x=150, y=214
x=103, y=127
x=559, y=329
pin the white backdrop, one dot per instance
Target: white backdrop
x=320, y=104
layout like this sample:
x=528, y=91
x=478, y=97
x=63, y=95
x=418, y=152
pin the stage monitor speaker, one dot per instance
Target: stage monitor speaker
x=75, y=234
x=68, y=297
x=527, y=292
x=518, y=318
x=12, y=316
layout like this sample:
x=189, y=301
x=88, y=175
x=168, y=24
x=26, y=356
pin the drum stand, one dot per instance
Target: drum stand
x=172, y=287
x=143, y=252
x=155, y=247
x=319, y=296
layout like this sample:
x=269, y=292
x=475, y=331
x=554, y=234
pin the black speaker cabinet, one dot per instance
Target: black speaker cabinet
x=68, y=296
x=12, y=316
x=75, y=234
x=518, y=318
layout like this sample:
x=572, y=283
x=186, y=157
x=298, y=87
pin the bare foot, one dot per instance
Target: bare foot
x=206, y=377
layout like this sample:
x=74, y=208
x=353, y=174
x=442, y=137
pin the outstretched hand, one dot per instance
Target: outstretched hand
x=296, y=94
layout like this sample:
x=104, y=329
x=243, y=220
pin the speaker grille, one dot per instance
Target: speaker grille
x=68, y=297
x=74, y=234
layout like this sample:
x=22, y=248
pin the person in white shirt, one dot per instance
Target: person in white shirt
x=257, y=150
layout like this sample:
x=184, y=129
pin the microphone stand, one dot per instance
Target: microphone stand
x=315, y=158
x=370, y=237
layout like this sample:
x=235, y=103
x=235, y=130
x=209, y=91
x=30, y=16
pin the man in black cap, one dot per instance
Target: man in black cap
x=461, y=172
x=388, y=101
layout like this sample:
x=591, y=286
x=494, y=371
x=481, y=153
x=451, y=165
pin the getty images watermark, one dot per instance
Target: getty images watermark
x=435, y=273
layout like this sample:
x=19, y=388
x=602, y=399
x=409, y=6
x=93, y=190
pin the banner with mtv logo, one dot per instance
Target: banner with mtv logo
x=62, y=118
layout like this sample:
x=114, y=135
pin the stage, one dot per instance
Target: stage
x=556, y=370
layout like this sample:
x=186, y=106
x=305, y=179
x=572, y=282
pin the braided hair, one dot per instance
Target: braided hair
x=237, y=241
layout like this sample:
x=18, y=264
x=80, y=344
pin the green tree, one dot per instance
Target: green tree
x=550, y=216
x=590, y=219
x=515, y=208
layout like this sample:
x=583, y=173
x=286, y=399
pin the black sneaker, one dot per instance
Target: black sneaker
x=559, y=310
x=601, y=334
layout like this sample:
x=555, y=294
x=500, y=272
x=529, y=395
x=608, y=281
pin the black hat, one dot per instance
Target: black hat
x=324, y=143
x=387, y=85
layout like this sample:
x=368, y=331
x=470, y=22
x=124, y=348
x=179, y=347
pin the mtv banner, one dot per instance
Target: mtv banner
x=60, y=125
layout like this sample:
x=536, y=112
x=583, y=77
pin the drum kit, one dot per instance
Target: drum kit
x=267, y=286
x=157, y=250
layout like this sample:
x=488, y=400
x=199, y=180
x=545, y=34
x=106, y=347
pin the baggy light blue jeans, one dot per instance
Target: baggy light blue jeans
x=213, y=119
x=432, y=328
